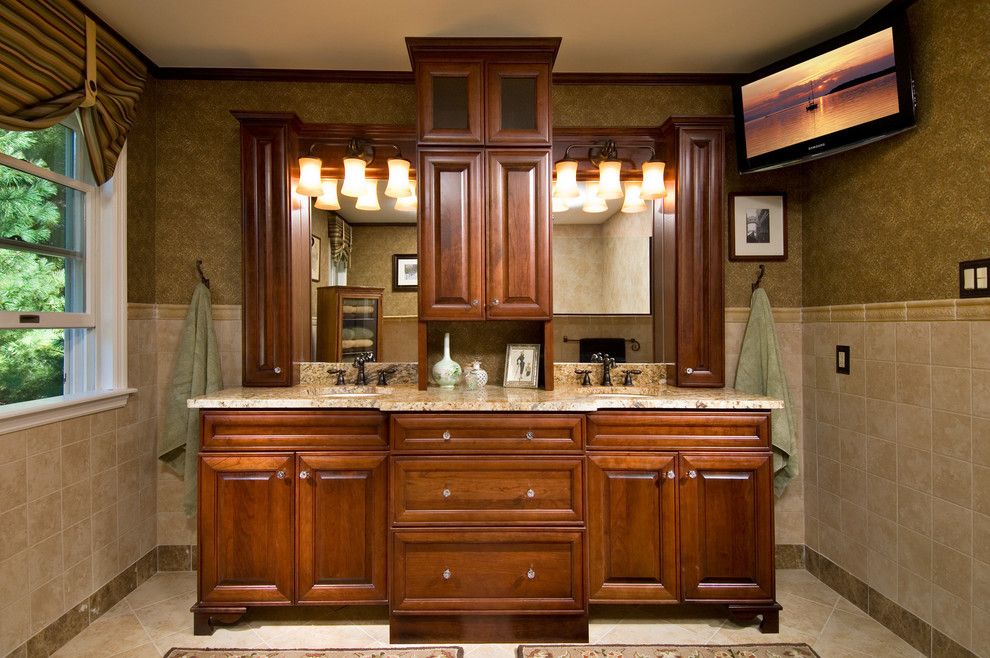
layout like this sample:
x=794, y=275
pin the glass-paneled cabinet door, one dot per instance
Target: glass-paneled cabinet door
x=450, y=99
x=518, y=99
x=360, y=326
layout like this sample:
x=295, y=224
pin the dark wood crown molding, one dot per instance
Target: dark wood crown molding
x=644, y=78
x=284, y=75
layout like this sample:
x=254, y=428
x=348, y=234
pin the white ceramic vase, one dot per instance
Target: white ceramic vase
x=446, y=371
x=476, y=377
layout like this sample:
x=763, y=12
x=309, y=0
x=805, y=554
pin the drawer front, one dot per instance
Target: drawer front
x=293, y=430
x=487, y=571
x=483, y=490
x=635, y=430
x=489, y=433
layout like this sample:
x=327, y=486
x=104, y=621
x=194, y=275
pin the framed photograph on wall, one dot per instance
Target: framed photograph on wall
x=522, y=366
x=758, y=226
x=315, y=246
x=405, y=272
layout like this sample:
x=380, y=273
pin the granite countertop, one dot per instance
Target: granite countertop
x=491, y=398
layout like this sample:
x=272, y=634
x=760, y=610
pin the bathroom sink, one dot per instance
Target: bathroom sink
x=620, y=396
x=353, y=395
x=350, y=392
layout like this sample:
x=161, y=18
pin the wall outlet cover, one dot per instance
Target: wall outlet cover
x=974, y=278
x=842, y=358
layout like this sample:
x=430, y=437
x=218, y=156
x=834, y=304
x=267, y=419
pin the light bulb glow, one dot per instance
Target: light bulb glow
x=557, y=204
x=567, y=187
x=354, y=184
x=309, y=177
x=609, y=185
x=398, y=178
x=653, y=187
x=633, y=202
x=408, y=202
x=328, y=197
x=592, y=201
x=369, y=199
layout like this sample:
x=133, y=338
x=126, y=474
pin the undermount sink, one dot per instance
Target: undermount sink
x=620, y=396
x=353, y=395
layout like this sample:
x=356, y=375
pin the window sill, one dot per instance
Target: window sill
x=23, y=415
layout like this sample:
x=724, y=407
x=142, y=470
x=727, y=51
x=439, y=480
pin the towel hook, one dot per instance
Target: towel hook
x=202, y=276
x=759, y=277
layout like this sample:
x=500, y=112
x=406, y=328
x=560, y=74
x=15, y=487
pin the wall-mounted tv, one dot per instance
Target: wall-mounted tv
x=850, y=90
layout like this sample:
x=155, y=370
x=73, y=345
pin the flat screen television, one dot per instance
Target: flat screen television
x=848, y=91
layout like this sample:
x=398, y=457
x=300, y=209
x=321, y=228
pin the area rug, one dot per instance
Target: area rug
x=667, y=651
x=379, y=652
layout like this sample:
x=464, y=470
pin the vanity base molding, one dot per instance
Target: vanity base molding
x=207, y=618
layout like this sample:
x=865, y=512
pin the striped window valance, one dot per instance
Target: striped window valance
x=341, y=239
x=54, y=60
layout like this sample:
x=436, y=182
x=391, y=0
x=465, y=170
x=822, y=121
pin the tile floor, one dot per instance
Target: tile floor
x=155, y=617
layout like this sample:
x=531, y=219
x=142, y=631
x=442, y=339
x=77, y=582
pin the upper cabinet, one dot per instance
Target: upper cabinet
x=483, y=91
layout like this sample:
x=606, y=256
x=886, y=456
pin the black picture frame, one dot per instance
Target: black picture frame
x=400, y=278
x=739, y=247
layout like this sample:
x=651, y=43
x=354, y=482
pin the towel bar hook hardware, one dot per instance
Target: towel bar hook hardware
x=202, y=275
x=633, y=343
x=759, y=276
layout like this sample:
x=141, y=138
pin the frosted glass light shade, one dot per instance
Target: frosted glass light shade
x=592, y=201
x=567, y=187
x=309, y=177
x=557, y=204
x=398, y=178
x=633, y=202
x=653, y=187
x=408, y=202
x=609, y=185
x=328, y=197
x=353, y=177
x=369, y=199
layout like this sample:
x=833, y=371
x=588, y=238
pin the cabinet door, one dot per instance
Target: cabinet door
x=451, y=253
x=632, y=527
x=727, y=545
x=518, y=101
x=519, y=277
x=450, y=101
x=342, y=528
x=245, y=528
x=265, y=262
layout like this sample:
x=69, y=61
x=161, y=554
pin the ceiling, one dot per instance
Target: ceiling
x=636, y=36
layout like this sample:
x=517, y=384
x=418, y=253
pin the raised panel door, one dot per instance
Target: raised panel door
x=342, y=528
x=726, y=522
x=519, y=276
x=632, y=528
x=245, y=528
x=451, y=235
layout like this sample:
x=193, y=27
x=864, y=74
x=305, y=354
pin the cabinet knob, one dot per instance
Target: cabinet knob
x=474, y=302
x=446, y=574
x=688, y=371
x=280, y=475
x=671, y=475
x=531, y=574
x=278, y=371
x=446, y=493
x=495, y=302
x=530, y=436
x=692, y=474
x=446, y=436
x=303, y=475
x=530, y=493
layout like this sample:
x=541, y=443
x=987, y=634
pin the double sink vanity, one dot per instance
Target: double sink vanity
x=498, y=514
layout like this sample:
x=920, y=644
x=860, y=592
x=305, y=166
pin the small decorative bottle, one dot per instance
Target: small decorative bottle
x=446, y=371
x=476, y=377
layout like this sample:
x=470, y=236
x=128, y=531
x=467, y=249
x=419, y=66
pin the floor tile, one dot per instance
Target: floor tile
x=856, y=632
x=162, y=586
x=105, y=637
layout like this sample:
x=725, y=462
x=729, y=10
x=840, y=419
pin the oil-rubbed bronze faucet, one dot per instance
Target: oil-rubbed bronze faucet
x=607, y=364
x=339, y=373
x=585, y=377
x=359, y=361
x=628, y=379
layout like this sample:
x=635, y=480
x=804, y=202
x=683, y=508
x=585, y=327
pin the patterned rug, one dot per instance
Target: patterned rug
x=418, y=652
x=667, y=651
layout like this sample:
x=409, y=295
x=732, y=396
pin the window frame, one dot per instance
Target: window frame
x=98, y=379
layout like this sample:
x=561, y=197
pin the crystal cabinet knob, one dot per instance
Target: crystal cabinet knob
x=280, y=475
x=671, y=475
x=530, y=436
x=688, y=370
x=531, y=574
x=692, y=474
x=495, y=302
x=278, y=371
x=474, y=302
x=446, y=436
x=446, y=574
x=446, y=493
x=303, y=475
x=530, y=493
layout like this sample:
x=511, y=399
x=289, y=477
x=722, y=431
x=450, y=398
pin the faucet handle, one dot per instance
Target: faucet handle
x=339, y=373
x=586, y=378
x=598, y=357
x=383, y=376
x=364, y=357
x=628, y=379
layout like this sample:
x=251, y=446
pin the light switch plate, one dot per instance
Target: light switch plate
x=974, y=278
x=842, y=357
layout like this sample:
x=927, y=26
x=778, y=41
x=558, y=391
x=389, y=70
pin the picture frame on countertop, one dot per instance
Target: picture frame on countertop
x=522, y=365
x=758, y=226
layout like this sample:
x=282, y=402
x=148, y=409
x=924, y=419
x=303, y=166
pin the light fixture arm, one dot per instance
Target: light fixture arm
x=607, y=150
x=357, y=147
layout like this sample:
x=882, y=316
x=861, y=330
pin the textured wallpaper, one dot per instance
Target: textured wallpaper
x=371, y=263
x=890, y=221
x=141, y=199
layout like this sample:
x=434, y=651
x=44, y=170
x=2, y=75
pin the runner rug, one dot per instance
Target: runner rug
x=667, y=651
x=380, y=652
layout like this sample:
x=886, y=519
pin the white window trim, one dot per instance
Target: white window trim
x=107, y=301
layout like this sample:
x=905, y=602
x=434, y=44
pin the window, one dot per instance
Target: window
x=61, y=298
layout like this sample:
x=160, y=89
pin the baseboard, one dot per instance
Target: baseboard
x=906, y=625
x=178, y=557
x=790, y=556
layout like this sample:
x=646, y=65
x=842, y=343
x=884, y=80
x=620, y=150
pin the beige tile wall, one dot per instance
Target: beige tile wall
x=897, y=486
x=789, y=508
x=77, y=502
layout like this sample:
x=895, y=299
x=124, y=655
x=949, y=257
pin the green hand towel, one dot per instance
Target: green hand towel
x=761, y=371
x=196, y=372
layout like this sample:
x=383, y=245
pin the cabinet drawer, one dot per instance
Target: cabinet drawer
x=487, y=571
x=673, y=429
x=481, y=490
x=487, y=432
x=289, y=430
